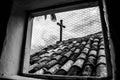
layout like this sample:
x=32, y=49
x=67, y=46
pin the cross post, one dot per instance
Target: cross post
x=61, y=27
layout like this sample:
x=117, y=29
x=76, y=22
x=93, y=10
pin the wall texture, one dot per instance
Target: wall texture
x=34, y=4
x=12, y=46
x=4, y=17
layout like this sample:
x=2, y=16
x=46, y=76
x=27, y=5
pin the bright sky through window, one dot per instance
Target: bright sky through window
x=78, y=23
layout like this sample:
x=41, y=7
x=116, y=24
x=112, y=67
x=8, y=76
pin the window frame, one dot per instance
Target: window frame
x=62, y=8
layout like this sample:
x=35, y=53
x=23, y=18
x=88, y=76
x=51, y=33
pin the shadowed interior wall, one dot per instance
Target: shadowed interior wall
x=12, y=46
x=4, y=17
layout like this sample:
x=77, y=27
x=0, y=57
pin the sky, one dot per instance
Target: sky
x=79, y=23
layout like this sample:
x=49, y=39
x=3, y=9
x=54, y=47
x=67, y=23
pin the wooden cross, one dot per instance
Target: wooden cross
x=61, y=26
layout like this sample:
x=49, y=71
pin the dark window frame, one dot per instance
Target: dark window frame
x=62, y=8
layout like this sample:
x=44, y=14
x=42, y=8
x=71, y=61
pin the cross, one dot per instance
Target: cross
x=61, y=26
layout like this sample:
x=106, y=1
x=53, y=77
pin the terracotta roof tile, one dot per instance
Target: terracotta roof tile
x=87, y=53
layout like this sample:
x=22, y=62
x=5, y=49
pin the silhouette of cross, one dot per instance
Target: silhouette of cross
x=61, y=26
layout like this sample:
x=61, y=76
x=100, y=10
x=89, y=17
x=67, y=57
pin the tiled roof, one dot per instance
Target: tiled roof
x=78, y=57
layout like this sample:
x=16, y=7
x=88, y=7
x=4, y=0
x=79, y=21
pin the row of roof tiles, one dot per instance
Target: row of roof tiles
x=78, y=57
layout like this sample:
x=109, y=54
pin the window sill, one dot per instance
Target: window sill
x=17, y=77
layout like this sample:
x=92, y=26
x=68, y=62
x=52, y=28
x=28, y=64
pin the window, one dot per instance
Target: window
x=68, y=42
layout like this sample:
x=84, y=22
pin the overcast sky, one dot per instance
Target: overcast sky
x=78, y=24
